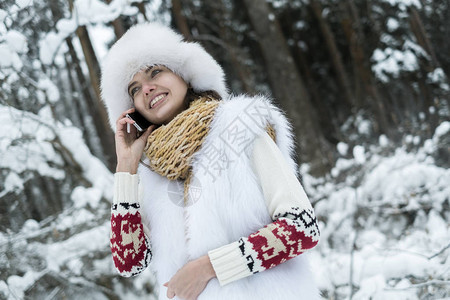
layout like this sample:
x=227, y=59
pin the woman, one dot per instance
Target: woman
x=215, y=199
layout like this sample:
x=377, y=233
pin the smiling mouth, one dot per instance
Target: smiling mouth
x=157, y=99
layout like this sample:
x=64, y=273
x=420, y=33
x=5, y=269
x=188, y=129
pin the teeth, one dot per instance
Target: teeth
x=157, y=99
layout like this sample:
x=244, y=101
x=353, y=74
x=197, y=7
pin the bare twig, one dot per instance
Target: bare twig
x=413, y=286
x=353, y=244
x=54, y=292
x=442, y=250
x=417, y=253
x=352, y=263
x=211, y=38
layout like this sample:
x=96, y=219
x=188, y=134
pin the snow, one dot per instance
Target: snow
x=442, y=129
x=358, y=153
x=28, y=155
x=13, y=77
x=59, y=254
x=48, y=46
x=409, y=60
x=9, y=58
x=101, y=36
x=83, y=197
x=437, y=75
x=94, y=11
x=392, y=61
x=12, y=183
x=16, y=41
x=3, y=15
x=3, y=288
x=392, y=24
x=50, y=88
x=415, y=48
x=93, y=169
x=86, y=12
x=342, y=148
x=279, y=3
x=24, y=3
x=30, y=225
x=39, y=154
x=23, y=93
x=18, y=284
x=383, y=140
x=300, y=25
x=364, y=127
x=403, y=4
x=390, y=253
x=66, y=26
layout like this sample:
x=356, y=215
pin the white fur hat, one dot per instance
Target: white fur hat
x=150, y=44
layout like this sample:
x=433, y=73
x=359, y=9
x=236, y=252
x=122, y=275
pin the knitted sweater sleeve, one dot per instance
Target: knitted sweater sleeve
x=293, y=231
x=129, y=241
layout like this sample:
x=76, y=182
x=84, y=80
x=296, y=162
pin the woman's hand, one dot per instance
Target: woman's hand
x=129, y=147
x=191, y=279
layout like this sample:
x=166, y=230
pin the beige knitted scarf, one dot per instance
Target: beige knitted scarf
x=170, y=147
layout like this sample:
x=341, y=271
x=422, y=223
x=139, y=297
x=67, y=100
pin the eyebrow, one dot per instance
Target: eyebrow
x=134, y=82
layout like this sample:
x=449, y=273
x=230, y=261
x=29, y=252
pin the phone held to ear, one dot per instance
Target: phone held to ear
x=140, y=123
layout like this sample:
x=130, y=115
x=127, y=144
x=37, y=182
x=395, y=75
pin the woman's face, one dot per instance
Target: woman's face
x=158, y=94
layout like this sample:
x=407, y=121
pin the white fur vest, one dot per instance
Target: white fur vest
x=228, y=203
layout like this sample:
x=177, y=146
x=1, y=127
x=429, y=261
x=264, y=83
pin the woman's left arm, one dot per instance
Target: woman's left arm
x=293, y=231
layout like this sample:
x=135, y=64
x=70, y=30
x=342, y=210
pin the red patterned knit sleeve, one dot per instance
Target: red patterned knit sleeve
x=129, y=244
x=294, y=232
x=294, y=228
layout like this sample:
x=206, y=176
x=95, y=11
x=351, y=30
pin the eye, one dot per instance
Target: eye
x=155, y=72
x=133, y=91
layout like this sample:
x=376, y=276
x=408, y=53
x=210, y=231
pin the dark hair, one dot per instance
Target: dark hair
x=191, y=95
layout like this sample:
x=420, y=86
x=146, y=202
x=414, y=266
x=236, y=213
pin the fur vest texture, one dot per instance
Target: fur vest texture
x=227, y=203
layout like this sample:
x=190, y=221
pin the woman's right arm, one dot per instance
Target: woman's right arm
x=129, y=241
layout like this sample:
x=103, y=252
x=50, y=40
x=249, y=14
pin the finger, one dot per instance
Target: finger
x=147, y=132
x=170, y=294
x=166, y=284
x=122, y=115
x=120, y=125
x=125, y=120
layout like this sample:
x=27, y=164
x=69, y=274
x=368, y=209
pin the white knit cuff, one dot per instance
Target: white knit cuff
x=126, y=188
x=228, y=263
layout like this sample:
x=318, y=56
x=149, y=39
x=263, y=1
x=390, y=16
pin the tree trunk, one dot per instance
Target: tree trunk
x=421, y=36
x=87, y=98
x=235, y=54
x=98, y=112
x=180, y=19
x=323, y=112
x=335, y=55
x=119, y=29
x=75, y=102
x=288, y=86
x=141, y=7
x=370, y=95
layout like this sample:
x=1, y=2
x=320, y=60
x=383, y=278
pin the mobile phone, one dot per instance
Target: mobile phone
x=140, y=123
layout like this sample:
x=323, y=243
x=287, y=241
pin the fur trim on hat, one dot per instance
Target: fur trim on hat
x=151, y=44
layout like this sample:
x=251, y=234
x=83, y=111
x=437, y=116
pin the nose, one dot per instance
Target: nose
x=147, y=88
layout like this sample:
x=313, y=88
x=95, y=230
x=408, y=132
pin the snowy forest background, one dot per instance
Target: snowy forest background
x=365, y=84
